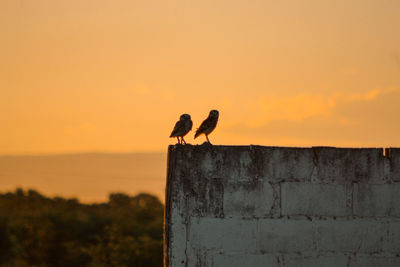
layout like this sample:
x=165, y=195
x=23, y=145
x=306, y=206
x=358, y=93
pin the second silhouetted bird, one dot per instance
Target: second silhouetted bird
x=208, y=124
x=182, y=127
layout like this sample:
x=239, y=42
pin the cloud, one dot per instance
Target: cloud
x=341, y=119
x=302, y=106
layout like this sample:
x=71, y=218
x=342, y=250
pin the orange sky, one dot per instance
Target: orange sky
x=114, y=76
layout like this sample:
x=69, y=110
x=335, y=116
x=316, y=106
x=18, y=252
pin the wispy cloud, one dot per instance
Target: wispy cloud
x=302, y=106
x=368, y=118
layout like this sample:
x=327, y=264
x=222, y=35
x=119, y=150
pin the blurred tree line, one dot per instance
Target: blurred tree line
x=40, y=231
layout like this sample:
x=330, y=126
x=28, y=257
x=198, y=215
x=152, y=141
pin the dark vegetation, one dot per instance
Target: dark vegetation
x=40, y=231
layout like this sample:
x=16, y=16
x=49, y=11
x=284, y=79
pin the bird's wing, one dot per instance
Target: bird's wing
x=178, y=128
x=207, y=123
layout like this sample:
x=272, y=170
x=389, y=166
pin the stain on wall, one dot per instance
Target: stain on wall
x=282, y=206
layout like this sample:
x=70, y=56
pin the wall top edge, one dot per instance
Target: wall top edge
x=216, y=147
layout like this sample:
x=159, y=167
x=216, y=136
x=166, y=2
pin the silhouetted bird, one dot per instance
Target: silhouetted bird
x=182, y=127
x=208, y=124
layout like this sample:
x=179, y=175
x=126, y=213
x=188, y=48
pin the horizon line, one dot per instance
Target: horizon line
x=77, y=153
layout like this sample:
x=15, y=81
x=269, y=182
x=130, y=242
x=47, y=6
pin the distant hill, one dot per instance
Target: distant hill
x=89, y=177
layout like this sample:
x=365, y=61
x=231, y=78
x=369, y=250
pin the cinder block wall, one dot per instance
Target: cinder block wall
x=282, y=206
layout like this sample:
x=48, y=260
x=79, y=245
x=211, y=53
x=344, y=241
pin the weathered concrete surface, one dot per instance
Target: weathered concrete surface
x=377, y=200
x=315, y=199
x=350, y=165
x=277, y=206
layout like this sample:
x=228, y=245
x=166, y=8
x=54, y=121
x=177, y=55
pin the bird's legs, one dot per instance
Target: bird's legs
x=179, y=141
x=208, y=139
x=183, y=140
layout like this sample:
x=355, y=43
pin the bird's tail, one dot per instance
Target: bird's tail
x=196, y=134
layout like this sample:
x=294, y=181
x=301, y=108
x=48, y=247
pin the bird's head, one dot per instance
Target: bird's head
x=185, y=117
x=214, y=113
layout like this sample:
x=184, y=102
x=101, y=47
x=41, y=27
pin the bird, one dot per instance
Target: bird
x=182, y=127
x=208, y=125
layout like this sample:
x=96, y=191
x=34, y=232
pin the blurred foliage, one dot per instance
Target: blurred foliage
x=40, y=231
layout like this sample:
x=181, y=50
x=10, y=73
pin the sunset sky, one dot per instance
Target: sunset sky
x=114, y=76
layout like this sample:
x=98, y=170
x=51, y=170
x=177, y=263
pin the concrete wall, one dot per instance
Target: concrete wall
x=280, y=206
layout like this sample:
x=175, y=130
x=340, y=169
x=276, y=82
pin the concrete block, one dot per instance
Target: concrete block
x=177, y=240
x=374, y=261
x=338, y=260
x=376, y=200
x=251, y=200
x=248, y=260
x=247, y=163
x=229, y=235
x=285, y=236
x=286, y=164
x=367, y=236
x=394, y=165
x=346, y=165
x=393, y=242
x=199, y=257
x=314, y=199
x=231, y=163
x=203, y=196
